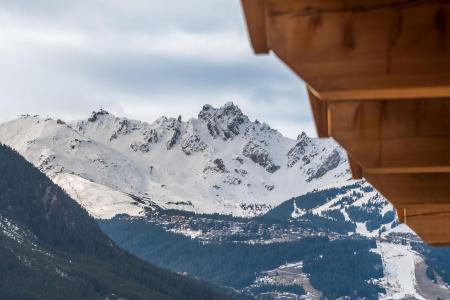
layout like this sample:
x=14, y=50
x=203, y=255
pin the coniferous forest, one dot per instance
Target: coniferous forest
x=337, y=268
x=51, y=249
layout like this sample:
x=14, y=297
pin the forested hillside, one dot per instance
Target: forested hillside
x=338, y=268
x=51, y=249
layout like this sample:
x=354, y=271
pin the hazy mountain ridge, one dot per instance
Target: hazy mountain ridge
x=220, y=162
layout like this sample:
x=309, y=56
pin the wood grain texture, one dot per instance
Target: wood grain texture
x=378, y=76
x=431, y=223
x=357, y=171
x=319, y=109
x=362, y=49
x=413, y=189
x=255, y=15
x=405, y=136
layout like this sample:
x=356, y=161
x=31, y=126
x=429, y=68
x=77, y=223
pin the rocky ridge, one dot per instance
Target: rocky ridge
x=219, y=162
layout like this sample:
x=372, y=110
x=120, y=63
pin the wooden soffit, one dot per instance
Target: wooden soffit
x=378, y=77
x=353, y=49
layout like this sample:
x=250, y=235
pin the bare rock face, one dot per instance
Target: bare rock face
x=241, y=172
x=192, y=144
x=124, y=127
x=260, y=156
x=224, y=122
x=95, y=114
x=222, y=152
x=299, y=150
x=331, y=162
x=239, y=159
x=216, y=166
x=174, y=132
x=191, y=141
x=150, y=137
x=269, y=187
x=232, y=180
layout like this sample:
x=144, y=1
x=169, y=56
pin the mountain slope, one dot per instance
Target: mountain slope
x=52, y=249
x=232, y=251
x=354, y=202
x=220, y=162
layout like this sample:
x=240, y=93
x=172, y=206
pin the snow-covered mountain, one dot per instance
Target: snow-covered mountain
x=221, y=162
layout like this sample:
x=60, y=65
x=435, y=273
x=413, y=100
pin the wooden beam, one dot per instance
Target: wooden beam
x=255, y=16
x=357, y=171
x=408, y=170
x=404, y=136
x=388, y=94
x=320, y=114
x=402, y=155
x=395, y=53
x=327, y=43
x=421, y=201
x=404, y=190
x=430, y=223
x=400, y=214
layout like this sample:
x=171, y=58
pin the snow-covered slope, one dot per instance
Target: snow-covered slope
x=399, y=264
x=220, y=162
x=354, y=202
x=361, y=204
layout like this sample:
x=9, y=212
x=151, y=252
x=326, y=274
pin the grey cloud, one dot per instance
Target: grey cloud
x=103, y=71
x=126, y=15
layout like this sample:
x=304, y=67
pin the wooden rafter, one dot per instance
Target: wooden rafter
x=378, y=76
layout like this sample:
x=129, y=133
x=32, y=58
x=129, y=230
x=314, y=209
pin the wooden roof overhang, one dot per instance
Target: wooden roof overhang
x=378, y=76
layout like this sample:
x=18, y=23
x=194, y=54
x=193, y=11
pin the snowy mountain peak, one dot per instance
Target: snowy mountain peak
x=225, y=122
x=302, y=136
x=219, y=163
x=304, y=149
x=228, y=109
x=96, y=114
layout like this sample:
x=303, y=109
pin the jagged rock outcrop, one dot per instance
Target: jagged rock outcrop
x=191, y=141
x=125, y=126
x=95, y=114
x=216, y=161
x=260, y=156
x=330, y=163
x=150, y=138
x=299, y=150
x=172, y=127
x=224, y=122
x=216, y=166
x=232, y=180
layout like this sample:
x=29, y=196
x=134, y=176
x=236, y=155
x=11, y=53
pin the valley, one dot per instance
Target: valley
x=220, y=162
x=183, y=243
x=231, y=201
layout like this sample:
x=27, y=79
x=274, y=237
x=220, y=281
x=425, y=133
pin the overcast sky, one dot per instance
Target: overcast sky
x=140, y=59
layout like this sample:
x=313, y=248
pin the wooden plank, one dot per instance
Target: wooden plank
x=357, y=171
x=405, y=136
x=327, y=44
x=427, y=206
x=408, y=170
x=421, y=201
x=404, y=190
x=319, y=110
x=395, y=53
x=308, y=7
x=402, y=155
x=400, y=214
x=255, y=16
x=388, y=94
x=402, y=118
x=432, y=224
